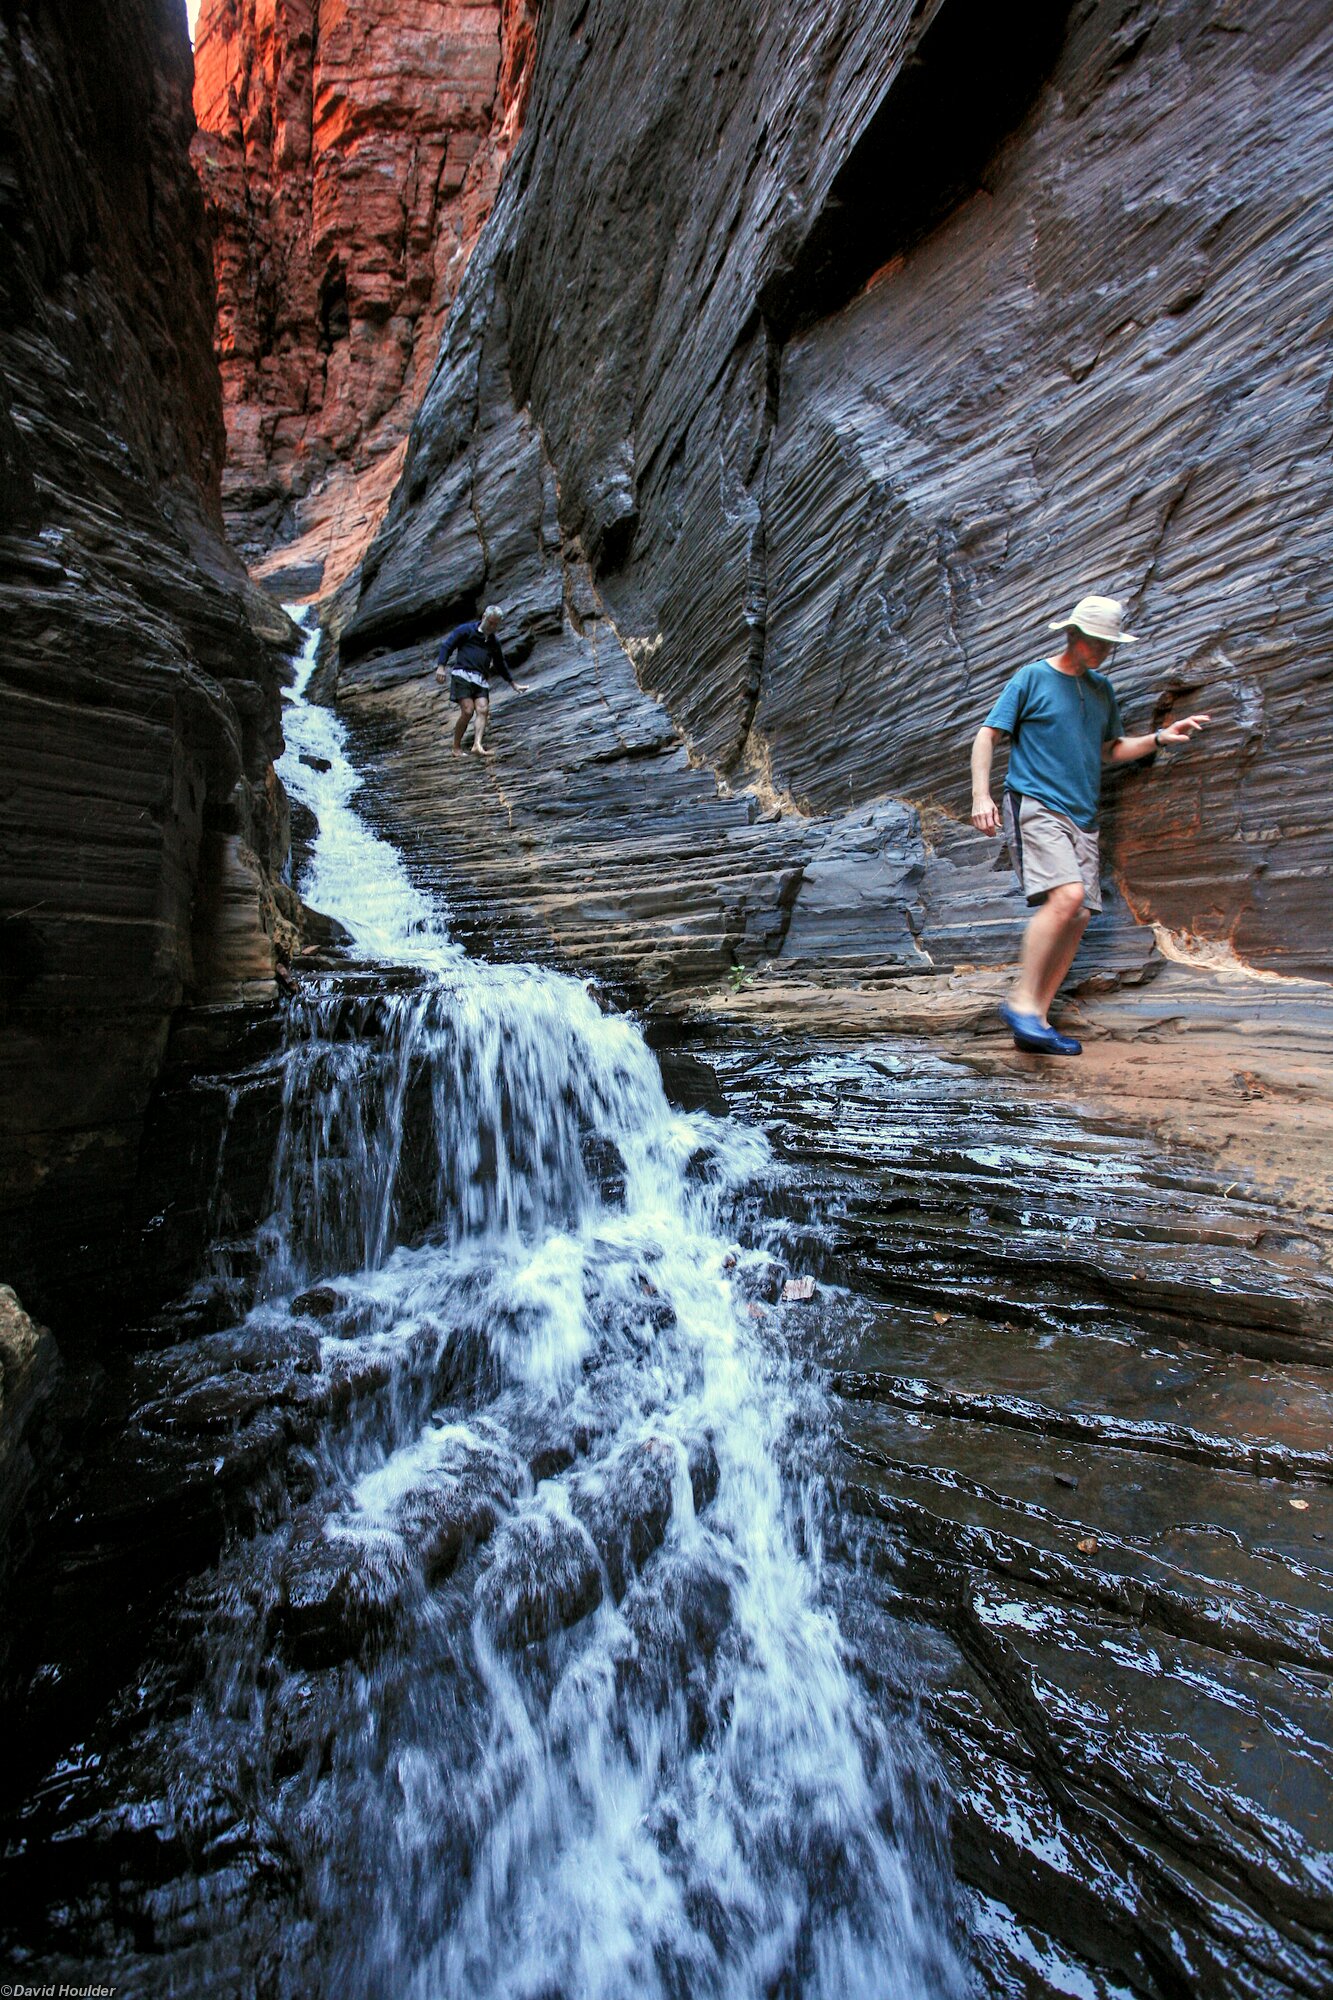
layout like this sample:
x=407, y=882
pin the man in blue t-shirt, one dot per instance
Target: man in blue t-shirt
x=1063, y=722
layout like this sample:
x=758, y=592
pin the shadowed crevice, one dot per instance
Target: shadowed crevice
x=965, y=87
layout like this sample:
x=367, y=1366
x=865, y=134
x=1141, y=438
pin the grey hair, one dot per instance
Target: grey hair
x=493, y=611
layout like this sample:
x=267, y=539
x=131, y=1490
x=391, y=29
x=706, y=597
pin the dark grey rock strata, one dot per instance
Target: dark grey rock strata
x=808, y=364
x=1081, y=1529
x=598, y=829
x=1083, y=1396
x=142, y=825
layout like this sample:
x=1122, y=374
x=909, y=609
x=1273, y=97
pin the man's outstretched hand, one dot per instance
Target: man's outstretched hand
x=985, y=815
x=1181, y=732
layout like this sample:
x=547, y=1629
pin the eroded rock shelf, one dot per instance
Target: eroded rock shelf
x=1084, y=1418
x=1084, y=1501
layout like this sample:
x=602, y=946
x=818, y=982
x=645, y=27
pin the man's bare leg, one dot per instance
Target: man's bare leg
x=1049, y=943
x=465, y=709
x=1062, y=961
x=483, y=717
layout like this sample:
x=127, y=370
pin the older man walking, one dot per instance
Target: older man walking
x=1063, y=722
x=478, y=657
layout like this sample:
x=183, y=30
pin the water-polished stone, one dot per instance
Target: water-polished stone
x=1062, y=1538
x=1084, y=1412
x=339, y=1595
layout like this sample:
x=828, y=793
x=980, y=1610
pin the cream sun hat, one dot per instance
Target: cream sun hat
x=1100, y=618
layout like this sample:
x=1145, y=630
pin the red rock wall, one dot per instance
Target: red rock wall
x=349, y=155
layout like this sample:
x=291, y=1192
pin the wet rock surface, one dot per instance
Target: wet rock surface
x=183, y=1520
x=30, y=1369
x=1206, y=1058
x=1079, y=1386
x=459, y=1504
x=1084, y=1501
x=337, y=1598
x=1097, y=1494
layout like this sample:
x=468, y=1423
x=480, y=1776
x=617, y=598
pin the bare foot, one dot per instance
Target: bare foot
x=459, y=750
x=479, y=750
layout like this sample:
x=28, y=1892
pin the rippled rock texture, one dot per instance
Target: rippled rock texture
x=349, y=156
x=808, y=365
x=1083, y=1397
x=1071, y=1393
x=142, y=823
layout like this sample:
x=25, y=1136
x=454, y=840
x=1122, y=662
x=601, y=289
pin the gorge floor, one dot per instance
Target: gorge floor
x=546, y=1606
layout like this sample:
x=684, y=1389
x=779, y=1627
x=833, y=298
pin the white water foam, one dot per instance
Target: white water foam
x=679, y=1788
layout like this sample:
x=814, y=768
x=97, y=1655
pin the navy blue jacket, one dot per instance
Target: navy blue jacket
x=479, y=654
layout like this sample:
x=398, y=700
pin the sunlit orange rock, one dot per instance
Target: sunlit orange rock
x=350, y=155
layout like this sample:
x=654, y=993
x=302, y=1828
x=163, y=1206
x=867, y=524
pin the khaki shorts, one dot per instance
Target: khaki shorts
x=1048, y=849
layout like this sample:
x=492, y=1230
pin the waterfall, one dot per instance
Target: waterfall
x=594, y=1732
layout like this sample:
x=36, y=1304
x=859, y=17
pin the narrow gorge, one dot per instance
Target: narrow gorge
x=574, y=1420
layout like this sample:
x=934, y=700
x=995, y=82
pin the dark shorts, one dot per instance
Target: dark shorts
x=467, y=690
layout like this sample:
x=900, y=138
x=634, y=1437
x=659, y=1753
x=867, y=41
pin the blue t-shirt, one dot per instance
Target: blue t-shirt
x=1058, y=723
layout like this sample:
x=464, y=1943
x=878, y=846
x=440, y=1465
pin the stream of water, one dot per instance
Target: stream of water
x=482, y=1582
x=597, y=1734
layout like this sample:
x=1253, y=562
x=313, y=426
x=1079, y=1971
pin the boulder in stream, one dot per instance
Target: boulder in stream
x=626, y=1507
x=545, y=1576
x=340, y=1594
x=456, y=1506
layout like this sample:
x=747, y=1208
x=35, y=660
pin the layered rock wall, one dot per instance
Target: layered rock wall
x=350, y=156
x=811, y=361
x=142, y=824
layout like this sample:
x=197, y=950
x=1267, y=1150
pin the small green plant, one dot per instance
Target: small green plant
x=740, y=978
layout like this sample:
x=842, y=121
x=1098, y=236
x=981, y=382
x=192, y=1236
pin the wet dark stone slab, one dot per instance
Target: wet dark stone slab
x=455, y=1508
x=626, y=1506
x=206, y=1161
x=920, y=1181
x=1082, y=1534
x=1084, y=1418
x=544, y=1575
x=339, y=1595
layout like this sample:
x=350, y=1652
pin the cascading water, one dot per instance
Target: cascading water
x=538, y=1691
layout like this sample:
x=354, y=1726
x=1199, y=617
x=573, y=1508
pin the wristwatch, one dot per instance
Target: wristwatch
x=1157, y=738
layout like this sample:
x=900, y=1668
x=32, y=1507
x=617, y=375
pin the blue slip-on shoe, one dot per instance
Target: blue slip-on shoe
x=1029, y=1030
x=1032, y=1035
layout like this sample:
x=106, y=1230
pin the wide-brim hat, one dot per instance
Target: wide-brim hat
x=1099, y=618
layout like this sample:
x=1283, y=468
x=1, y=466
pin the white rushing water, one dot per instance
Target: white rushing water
x=615, y=1748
